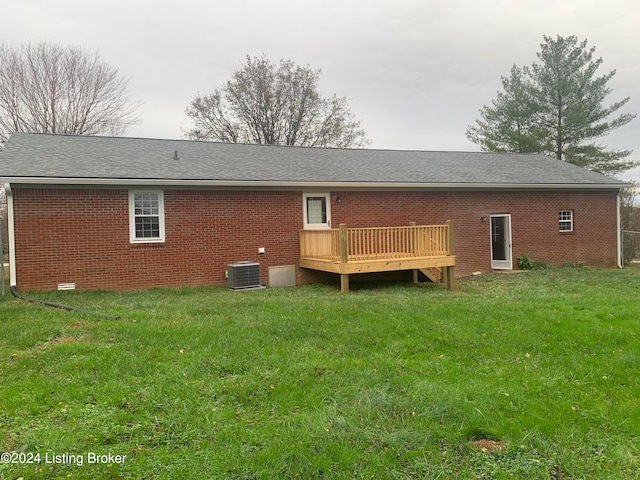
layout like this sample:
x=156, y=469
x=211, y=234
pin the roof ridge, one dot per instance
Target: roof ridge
x=265, y=145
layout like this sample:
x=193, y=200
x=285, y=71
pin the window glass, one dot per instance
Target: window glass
x=316, y=210
x=146, y=210
x=146, y=203
x=565, y=218
x=147, y=227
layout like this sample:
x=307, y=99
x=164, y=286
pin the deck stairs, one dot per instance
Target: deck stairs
x=433, y=274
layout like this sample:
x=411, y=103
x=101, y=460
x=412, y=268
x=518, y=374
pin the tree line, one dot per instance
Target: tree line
x=50, y=88
x=556, y=106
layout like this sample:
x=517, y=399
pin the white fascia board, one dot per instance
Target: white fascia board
x=155, y=182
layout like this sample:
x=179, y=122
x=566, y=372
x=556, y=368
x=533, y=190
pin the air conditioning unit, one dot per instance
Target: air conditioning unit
x=244, y=275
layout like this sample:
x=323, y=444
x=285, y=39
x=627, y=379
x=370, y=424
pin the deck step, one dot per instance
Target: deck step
x=433, y=274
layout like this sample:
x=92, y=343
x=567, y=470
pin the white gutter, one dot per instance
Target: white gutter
x=12, y=238
x=155, y=182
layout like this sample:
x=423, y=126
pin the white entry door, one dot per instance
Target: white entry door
x=501, y=242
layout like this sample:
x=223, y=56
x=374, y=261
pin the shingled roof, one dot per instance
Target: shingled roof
x=67, y=159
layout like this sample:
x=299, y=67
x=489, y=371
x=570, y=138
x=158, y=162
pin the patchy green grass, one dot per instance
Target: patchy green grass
x=534, y=376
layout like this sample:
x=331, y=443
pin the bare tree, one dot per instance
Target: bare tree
x=48, y=88
x=274, y=104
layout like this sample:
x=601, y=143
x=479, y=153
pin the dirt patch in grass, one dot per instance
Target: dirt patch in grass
x=488, y=446
x=44, y=346
x=56, y=341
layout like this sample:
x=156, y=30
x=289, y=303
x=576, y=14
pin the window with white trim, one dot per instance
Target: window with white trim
x=146, y=216
x=317, y=210
x=565, y=219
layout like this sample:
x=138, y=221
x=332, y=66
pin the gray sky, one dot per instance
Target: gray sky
x=415, y=72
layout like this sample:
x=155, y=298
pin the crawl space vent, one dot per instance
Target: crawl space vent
x=244, y=275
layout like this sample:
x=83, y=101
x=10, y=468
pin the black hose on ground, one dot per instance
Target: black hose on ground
x=15, y=293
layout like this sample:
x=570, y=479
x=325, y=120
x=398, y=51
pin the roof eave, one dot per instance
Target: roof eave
x=155, y=182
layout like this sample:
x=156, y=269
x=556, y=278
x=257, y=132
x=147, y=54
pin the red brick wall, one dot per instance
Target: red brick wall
x=534, y=222
x=82, y=235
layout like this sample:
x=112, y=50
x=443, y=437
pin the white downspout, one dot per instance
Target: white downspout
x=12, y=238
x=619, y=230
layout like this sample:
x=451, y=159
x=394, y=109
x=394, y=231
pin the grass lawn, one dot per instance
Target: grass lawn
x=532, y=376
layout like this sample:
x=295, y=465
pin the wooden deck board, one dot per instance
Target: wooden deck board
x=378, y=265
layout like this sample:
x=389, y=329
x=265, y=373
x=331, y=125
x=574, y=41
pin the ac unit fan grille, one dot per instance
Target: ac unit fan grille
x=244, y=275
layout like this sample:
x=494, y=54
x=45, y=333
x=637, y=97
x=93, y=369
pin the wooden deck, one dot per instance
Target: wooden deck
x=345, y=251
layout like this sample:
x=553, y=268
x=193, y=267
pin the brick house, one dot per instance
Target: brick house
x=129, y=213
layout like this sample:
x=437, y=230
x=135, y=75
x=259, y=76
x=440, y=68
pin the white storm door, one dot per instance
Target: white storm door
x=501, y=242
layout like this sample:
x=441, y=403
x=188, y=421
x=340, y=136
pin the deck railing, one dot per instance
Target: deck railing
x=361, y=244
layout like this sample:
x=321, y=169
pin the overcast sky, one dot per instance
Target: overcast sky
x=415, y=72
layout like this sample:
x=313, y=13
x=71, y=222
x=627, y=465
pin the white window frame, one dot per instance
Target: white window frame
x=316, y=226
x=565, y=217
x=132, y=217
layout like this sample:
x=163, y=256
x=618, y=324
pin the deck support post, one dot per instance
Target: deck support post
x=448, y=271
x=344, y=282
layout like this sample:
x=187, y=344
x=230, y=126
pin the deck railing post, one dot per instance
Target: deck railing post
x=343, y=242
x=414, y=247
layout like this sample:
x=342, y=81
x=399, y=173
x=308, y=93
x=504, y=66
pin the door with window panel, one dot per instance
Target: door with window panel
x=501, y=242
x=317, y=210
